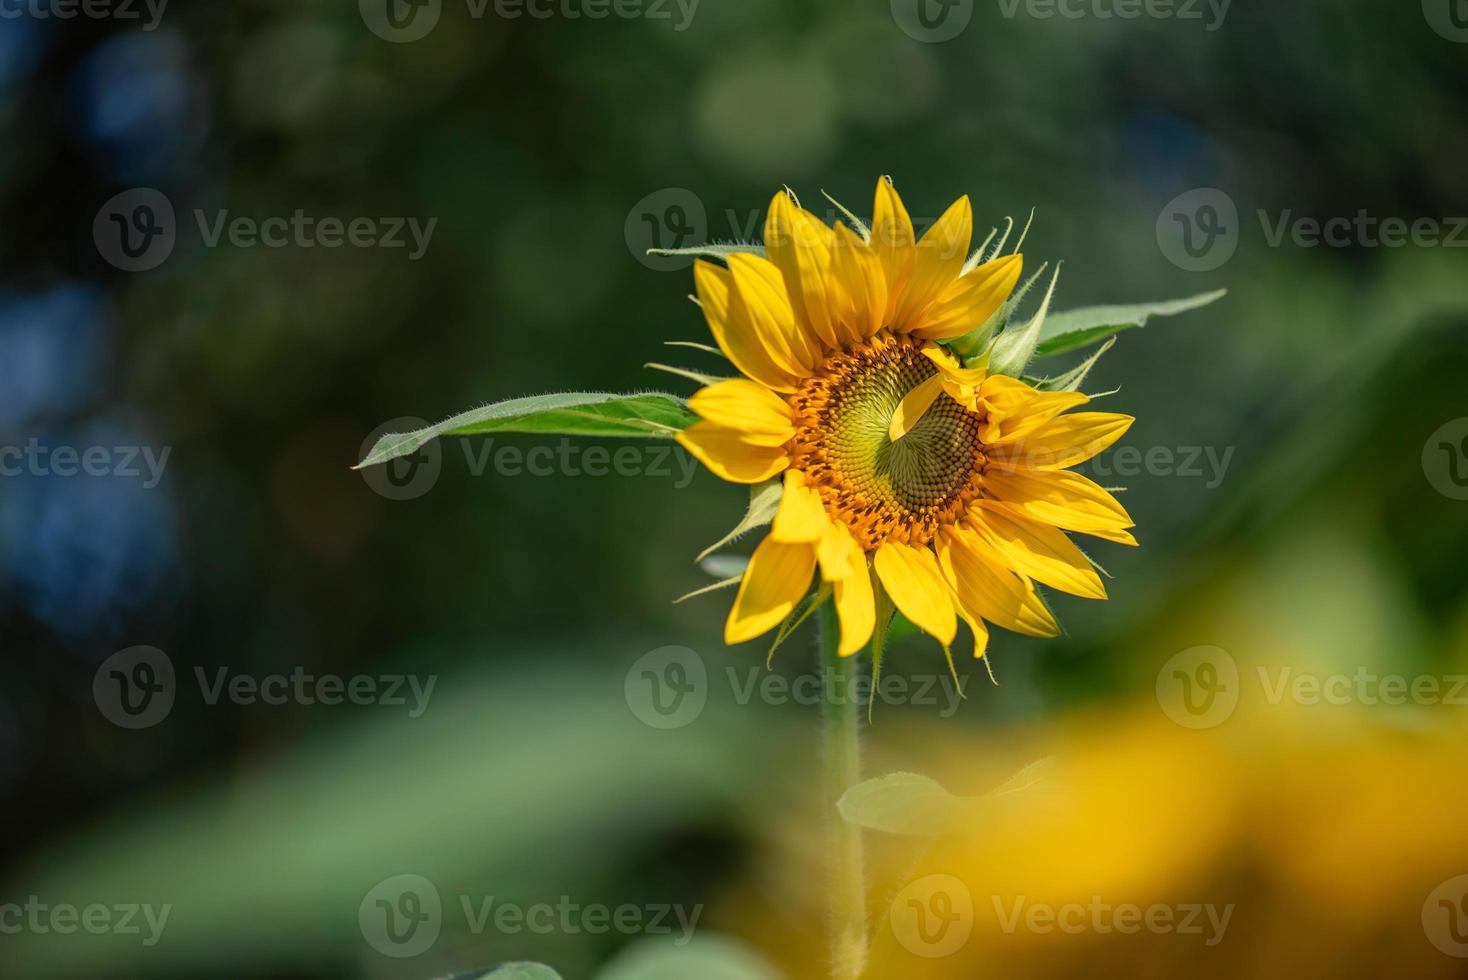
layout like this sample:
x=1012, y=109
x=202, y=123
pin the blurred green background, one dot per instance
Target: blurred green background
x=1322, y=525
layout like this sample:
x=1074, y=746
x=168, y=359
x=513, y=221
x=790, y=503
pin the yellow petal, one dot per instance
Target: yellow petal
x=838, y=552
x=863, y=287
x=778, y=576
x=968, y=302
x=729, y=456
x=799, y=245
x=937, y=262
x=983, y=586
x=1013, y=407
x=856, y=608
x=802, y=516
x=1040, y=551
x=892, y=242
x=1063, y=498
x=736, y=337
x=914, y=406
x=980, y=630
x=1062, y=442
x=911, y=577
x=760, y=297
x=961, y=384
x=760, y=416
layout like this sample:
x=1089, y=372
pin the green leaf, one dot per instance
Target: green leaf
x=900, y=803
x=1038, y=776
x=572, y=413
x=1074, y=329
x=520, y=971
x=703, y=958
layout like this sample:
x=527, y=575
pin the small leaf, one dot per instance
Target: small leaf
x=900, y=803
x=575, y=413
x=712, y=251
x=764, y=500
x=1074, y=329
x=1015, y=347
x=515, y=971
x=1038, y=776
x=1076, y=376
x=682, y=372
x=704, y=957
x=724, y=567
x=722, y=584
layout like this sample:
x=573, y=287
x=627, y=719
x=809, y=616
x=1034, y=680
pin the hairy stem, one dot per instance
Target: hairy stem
x=841, y=763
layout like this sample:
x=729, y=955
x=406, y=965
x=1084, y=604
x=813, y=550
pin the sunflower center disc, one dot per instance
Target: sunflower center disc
x=881, y=490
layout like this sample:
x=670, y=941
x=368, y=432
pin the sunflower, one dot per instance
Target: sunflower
x=907, y=468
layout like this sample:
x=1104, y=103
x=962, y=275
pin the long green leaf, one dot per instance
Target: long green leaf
x=1074, y=329
x=572, y=413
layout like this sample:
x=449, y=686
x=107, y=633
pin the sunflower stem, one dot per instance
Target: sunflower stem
x=841, y=762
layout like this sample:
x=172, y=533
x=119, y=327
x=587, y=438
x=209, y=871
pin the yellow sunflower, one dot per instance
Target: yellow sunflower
x=905, y=466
